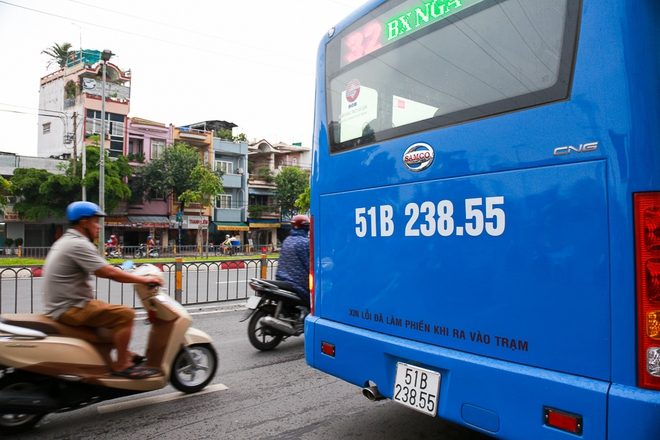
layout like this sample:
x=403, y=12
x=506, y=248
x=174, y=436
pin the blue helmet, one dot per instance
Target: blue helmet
x=77, y=210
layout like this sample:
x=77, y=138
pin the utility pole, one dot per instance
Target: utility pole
x=105, y=56
x=75, y=149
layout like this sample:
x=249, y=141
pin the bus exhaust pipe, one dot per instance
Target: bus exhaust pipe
x=372, y=393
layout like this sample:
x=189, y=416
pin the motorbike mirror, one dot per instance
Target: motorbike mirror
x=127, y=265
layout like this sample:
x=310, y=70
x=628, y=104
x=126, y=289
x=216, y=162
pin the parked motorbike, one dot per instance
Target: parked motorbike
x=275, y=312
x=46, y=366
x=112, y=252
x=143, y=252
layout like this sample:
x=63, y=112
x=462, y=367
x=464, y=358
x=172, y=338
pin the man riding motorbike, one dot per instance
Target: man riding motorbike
x=293, y=263
x=69, y=293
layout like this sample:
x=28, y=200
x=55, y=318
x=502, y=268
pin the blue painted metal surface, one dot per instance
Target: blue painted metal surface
x=554, y=292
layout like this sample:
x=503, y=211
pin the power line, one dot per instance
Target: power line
x=260, y=63
x=169, y=26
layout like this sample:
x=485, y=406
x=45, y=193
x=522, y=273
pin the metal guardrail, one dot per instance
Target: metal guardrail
x=21, y=288
x=163, y=251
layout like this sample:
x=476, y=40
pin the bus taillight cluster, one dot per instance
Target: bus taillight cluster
x=647, y=241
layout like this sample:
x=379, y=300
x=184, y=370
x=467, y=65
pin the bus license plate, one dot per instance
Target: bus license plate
x=417, y=388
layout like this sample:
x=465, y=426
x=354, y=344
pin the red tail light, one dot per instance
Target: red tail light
x=647, y=242
x=311, y=263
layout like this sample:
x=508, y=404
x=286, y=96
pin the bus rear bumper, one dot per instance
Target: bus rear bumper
x=502, y=399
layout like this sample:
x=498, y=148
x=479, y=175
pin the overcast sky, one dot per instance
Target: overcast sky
x=250, y=62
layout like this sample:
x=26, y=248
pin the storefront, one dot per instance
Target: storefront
x=191, y=227
x=263, y=232
x=219, y=231
x=133, y=230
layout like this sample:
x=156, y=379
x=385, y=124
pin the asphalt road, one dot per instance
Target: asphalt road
x=255, y=395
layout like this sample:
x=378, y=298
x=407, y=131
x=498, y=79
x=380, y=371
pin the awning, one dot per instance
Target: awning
x=117, y=222
x=261, y=191
x=264, y=223
x=149, y=221
x=231, y=226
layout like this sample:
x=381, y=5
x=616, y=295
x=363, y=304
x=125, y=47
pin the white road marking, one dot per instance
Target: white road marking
x=219, y=311
x=114, y=407
x=142, y=315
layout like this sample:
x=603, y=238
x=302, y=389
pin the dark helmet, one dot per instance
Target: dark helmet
x=77, y=210
x=300, y=222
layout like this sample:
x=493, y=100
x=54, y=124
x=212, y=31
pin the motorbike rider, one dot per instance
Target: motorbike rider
x=293, y=264
x=226, y=245
x=150, y=244
x=112, y=243
x=69, y=293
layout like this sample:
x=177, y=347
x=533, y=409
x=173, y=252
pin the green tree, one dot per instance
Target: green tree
x=226, y=134
x=5, y=189
x=291, y=183
x=266, y=174
x=59, y=53
x=42, y=193
x=303, y=201
x=168, y=175
x=209, y=185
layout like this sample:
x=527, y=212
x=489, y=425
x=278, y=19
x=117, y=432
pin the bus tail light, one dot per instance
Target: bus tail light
x=328, y=348
x=647, y=249
x=311, y=263
x=563, y=420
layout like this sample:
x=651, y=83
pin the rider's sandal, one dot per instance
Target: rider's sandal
x=138, y=359
x=136, y=372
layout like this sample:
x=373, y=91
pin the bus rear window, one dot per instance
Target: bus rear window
x=413, y=65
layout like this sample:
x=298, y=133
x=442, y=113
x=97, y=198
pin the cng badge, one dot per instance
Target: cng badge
x=418, y=156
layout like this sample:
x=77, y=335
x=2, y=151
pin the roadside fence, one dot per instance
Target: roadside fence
x=141, y=251
x=21, y=288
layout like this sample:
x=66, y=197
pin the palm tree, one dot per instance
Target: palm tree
x=60, y=54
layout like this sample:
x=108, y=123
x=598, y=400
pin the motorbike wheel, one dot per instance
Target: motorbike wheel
x=188, y=379
x=137, y=255
x=15, y=423
x=261, y=337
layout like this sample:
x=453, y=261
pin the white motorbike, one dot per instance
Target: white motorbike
x=46, y=366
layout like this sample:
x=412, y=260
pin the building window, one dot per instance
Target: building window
x=223, y=201
x=46, y=128
x=225, y=167
x=294, y=162
x=116, y=128
x=157, y=147
x=258, y=199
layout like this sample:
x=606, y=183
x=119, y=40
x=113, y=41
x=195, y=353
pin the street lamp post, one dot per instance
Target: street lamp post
x=105, y=56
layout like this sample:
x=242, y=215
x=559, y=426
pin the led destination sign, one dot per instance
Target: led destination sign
x=409, y=17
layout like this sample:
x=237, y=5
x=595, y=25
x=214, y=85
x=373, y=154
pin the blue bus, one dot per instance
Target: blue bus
x=486, y=213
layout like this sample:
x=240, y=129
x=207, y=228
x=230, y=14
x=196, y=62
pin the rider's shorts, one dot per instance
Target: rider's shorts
x=98, y=314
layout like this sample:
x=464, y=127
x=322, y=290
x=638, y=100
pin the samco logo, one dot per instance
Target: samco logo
x=418, y=157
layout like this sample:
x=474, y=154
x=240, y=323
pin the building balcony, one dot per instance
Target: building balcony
x=232, y=181
x=228, y=215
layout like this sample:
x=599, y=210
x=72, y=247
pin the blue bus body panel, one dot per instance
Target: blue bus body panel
x=511, y=395
x=543, y=314
x=534, y=295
